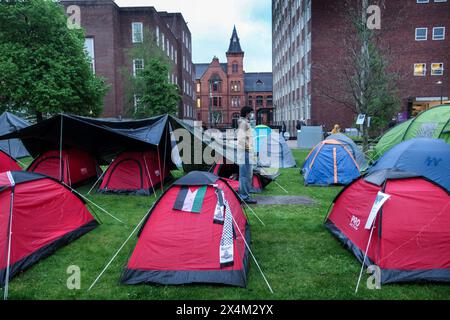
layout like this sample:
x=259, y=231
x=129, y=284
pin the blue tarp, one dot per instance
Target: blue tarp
x=429, y=158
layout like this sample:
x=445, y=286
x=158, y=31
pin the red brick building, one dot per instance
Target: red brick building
x=309, y=57
x=111, y=30
x=222, y=89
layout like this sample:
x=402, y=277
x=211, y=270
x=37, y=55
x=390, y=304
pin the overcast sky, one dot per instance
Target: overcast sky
x=211, y=23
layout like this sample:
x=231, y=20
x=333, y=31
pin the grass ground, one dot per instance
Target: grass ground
x=299, y=257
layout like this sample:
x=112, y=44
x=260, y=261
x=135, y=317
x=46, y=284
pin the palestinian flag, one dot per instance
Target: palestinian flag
x=190, y=201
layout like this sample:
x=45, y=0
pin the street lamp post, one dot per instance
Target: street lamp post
x=439, y=83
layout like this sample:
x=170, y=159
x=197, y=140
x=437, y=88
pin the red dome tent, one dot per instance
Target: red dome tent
x=134, y=173
x=189, y=236
x=7, y=163
x=38, y=215
x=411, y=238
x=230, y=172
x=78, y=167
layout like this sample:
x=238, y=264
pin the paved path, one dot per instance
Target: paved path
x=268, y=200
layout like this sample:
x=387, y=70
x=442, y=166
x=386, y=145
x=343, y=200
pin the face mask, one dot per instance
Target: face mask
x=252, y=116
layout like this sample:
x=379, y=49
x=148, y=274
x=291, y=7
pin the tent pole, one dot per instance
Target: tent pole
x=165, y=154
x=148, y=173
x=100, y=178
x=118, y=251
x=160, y=172
x=93, y=203
x=364, y=260
x=60, y=149
x=8, y=261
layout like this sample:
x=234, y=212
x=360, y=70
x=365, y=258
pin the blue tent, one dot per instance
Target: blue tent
x=330, y=163
x=427, y=157
x=357, y=153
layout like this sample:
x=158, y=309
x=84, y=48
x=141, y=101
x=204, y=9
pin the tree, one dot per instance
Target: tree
x=149, y=91
x=43, y=65
x=367, y=85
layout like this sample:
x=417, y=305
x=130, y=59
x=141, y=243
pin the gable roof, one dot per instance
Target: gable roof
x=200, y=69
x=258, y=81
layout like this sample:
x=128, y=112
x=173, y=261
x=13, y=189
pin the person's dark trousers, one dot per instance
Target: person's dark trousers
x=245, y=178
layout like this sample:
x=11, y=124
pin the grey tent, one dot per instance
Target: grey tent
x=274, y=152
x=357, y=153
x=14, y=147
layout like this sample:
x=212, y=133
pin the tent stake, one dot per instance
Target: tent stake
x=117, y=252
x=93, y=203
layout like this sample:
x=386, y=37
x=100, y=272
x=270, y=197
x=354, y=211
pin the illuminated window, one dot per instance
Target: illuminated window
x=420, y=69
x=199, y=103
x=198, y=87
x=437, y=69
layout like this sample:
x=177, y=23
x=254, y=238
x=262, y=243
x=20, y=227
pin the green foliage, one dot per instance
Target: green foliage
x=155, y=94
x=44, y=68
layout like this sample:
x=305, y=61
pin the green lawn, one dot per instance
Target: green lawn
x=299, y=257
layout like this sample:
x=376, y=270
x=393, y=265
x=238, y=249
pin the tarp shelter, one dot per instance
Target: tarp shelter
x=195, y=233
x=7, y=163
x=411, y=236
x=230, y=172
x=134, y=173
x=331, y=162
x=103, y=140
x=73, y=166
x=426, y=157
x=272, y=149
x=38, y=215
x=14, y=147
x=432, y=123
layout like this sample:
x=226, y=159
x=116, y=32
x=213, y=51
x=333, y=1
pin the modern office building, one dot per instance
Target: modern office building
x=310, y=57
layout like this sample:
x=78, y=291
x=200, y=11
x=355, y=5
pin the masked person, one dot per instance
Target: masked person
x=245, y=154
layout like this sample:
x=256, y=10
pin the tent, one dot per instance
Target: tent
x=76, y=167
x=357, y=153
x=38, y=215
x=134, y=173
x=331, y=162
x=7, y=163
x=230, y=172
x=432, y=123
x=411, y=232
x=13, y=147
x=196, y=232
x=272, y=149
x=427, y=157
